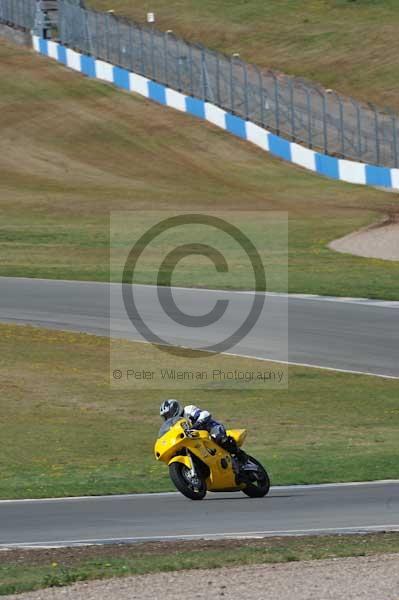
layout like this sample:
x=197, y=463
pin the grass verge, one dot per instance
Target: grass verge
x=65, y=432
x=23, y=570
x=74, y=149
x=316, y=39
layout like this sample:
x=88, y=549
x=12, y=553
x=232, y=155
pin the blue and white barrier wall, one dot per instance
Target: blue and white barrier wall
x=322, y=164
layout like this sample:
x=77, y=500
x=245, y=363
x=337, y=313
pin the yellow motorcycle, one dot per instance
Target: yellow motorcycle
x=197, y=464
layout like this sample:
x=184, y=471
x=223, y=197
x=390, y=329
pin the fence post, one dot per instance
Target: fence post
x=261, y=96
x=131, y=51
x=152, y=54
x=377, y=136
x=28, y=14
x=359, y=131
x=309, y=111
x=165, y=56
x=246, y=103
x=98, y=54
x=292, y=111
x=277, y=103
x=89, y=45
x=177, y=59
x=218, y=78
x=325, y=133
x=203, y=80
x=231, y=85
x=120, y=44
x=190, y=58
x=143, y=72
x=395, y=140
x=341, y=124
x=106, y=19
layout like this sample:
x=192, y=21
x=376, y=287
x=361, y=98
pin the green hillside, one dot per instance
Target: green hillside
x=74, y=149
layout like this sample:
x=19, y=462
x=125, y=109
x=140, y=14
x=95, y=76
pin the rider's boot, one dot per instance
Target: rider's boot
x=239, y=457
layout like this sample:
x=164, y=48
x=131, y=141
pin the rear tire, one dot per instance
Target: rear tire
x=179, y=475
x=260, y=488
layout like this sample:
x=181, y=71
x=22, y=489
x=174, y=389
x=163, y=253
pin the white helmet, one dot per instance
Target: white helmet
x=170, y=408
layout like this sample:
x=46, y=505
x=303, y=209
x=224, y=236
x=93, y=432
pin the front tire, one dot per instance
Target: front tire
x=261, y=487
x=180, y=475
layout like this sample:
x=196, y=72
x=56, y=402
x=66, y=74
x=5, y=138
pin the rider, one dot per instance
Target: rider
x=171, y=410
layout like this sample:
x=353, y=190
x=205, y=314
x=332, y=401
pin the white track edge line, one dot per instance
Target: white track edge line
x=50, y=326
x=295, y=295
x=275, y=488
x=310, y=366
x=209, y=536
x=268, y=359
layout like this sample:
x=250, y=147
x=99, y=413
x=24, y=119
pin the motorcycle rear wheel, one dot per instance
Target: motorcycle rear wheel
x=179, y=475
x=260, y=488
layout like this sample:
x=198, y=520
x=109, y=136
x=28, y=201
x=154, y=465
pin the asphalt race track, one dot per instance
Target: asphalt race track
x=285, y=511
x=350, y=335
x=359, y=336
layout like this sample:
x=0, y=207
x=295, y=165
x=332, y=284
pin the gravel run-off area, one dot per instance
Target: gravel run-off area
x=378, y=241
x=364, y=578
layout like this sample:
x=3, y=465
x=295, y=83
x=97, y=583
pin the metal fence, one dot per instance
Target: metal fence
x=293, y=108
x=290, y=107
x=18, y=12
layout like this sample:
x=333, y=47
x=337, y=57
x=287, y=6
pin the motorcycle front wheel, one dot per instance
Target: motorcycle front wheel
x=195, y=489
x=260, y=487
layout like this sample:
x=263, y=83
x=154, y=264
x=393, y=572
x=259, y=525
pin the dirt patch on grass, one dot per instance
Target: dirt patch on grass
x=378, y=241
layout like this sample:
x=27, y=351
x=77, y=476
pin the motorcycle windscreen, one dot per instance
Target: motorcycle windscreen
x=168, y=424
